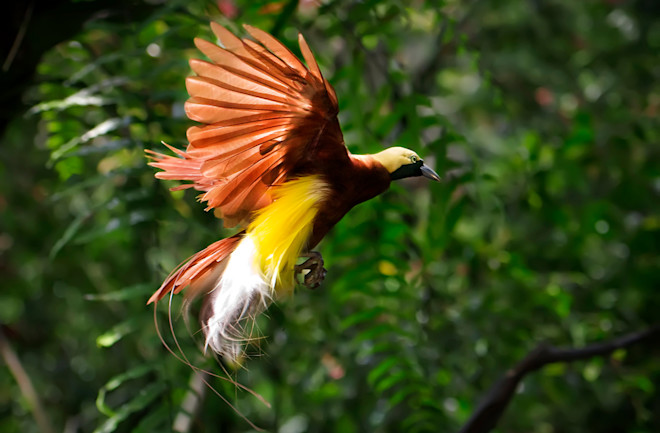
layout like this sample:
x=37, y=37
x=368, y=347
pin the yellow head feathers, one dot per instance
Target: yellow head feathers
x=401, y=163
x=394, y=158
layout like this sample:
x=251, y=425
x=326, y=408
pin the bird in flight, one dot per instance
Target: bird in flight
x=269, y=157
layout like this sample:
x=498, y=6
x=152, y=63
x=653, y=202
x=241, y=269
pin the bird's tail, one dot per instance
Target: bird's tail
x=234, y=291
x=200, y=271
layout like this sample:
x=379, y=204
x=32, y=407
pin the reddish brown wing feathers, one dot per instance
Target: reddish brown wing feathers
x=265, y=116
x=198, y=269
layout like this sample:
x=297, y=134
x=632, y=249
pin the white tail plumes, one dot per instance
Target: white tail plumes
x=239, y=296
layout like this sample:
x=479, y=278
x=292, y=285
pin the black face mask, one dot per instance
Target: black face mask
x=408, y=170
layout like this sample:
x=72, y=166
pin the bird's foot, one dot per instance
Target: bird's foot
x=314, y=265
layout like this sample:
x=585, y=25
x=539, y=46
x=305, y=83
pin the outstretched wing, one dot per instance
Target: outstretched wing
x=266, y=118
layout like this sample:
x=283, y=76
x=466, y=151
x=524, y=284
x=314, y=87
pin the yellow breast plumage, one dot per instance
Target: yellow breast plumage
x=280, y=230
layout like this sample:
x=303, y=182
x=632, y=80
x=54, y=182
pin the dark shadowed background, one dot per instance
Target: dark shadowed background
x=542, y=117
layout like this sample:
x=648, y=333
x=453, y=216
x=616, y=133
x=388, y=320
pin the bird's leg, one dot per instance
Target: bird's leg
x=314, y=264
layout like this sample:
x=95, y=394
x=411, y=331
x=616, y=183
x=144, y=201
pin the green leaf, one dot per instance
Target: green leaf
x=119, y=331
x=129, y=292
x=390, y=381
x=402, y=394
x=100, y=129
x=69, y=233
x=387, y=329
x=362, y=316
x=116, y=382
x=142, y=399
x=68, y=167
x=381, y=369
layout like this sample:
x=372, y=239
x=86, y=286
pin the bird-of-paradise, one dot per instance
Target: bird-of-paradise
x=269, y=157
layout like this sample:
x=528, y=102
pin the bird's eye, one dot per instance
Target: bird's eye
x=414, y=158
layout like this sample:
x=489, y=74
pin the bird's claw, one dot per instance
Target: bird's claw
x=314, y=264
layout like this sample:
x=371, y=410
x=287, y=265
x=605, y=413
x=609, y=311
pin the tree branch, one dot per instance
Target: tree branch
x=25, y=384
x=492, y=406
x=191, y=402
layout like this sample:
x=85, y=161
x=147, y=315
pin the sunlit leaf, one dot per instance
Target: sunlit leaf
x=118, y=332
x=143, y=398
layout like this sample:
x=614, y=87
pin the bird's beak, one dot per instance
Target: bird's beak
x=427, y=172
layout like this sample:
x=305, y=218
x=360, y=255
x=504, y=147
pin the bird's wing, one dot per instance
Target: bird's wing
x=265, y=115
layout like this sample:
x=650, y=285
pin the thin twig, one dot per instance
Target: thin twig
x=25, y=384
x=19, y=37
x=492, y=406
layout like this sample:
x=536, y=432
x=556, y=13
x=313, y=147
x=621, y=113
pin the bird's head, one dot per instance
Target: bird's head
x=401, y=162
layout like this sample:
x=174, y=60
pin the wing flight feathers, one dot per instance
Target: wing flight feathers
x=278, y=49
x=309, y=57
x=262, y=113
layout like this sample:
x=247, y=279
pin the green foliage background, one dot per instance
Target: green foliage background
x=542, y=116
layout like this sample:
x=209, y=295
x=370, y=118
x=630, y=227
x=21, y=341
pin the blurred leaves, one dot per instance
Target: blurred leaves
x=542, y=119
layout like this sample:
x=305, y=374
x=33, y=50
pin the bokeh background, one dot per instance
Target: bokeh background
x=541, y=115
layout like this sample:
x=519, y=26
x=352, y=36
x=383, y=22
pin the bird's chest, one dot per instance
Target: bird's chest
x=346, y=192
